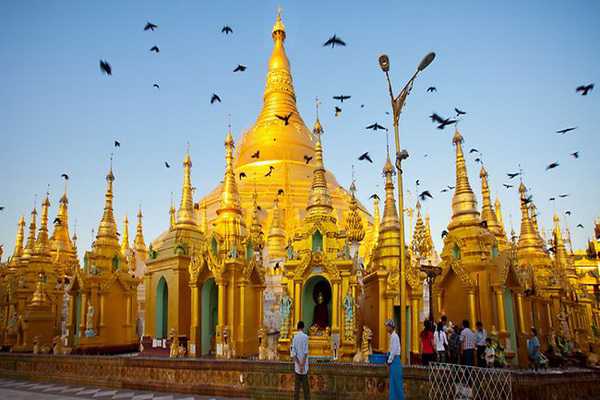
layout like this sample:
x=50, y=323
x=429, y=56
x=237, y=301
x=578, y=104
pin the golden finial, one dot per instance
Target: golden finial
x=18, y=251
x=125, y=239
x=138, y=242
x=279, y=27
x=107, y=230
x=464, y=203
x=318, y=129
x=185, y=214
x=354, y=226
x=42, y=244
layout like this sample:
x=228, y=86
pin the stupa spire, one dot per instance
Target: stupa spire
x=203, y=218
x=464, y=204
x=185, y=214
x=354, y=225
x=230, y=197
x=18, y=251
x=319, y=200
x=60, y=240
x=487, y=210
x=125, y=237
x=528, y=238
x=30, y=245
x=499, y=218
x=390, y=213
x=138, y=242
x=107, y=230
x=172, y=212
x=560, y=253
x=42, y=244
x=276, y=238
x=419, y=243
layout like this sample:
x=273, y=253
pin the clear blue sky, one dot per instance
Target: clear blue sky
x=512, y=65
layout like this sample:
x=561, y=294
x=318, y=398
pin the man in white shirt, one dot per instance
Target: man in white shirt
x=299, y=353
x=396, y=390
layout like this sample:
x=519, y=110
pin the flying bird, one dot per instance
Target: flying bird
x=444, y=233
x=478, y=160
x=284, y=118
x=584, y=89
x=1, y=208
x=341, y=98
x=365, y=156
x=65, y=177
x=156, y=86
x=271, y=168
x=155, y=49
x=280, y=192
x=552, y=165
x=167, y=165
x=580, y=225
x=215, y=98
x=375, y=127
x=307, y=158
x=256, y=155
x=511, y=176
x=374, y=196
x=338, y=111
x=117, y=143
x=507, y=186
x=105, y=67
x=575, y=155
x=240, y=68
x=563, y=196
x=424, y=194
x=552, y=199
x=362, y=106
x=333, y=41
x=568, y=212
x=150, y=26
x=563, y=131
x=226, y=30
x=443, y=122
x=459, y=112
x=473, y=150
x=417, y=182
x=431, y=89
x=444, y=190
x=436, y=118
x=528, y=199
x=242, y=175
x=450, y=187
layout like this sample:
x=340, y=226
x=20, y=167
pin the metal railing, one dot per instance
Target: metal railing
x=460, y=382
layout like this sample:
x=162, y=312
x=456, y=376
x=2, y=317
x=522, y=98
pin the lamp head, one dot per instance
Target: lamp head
x=384, y=62
x=426, y=61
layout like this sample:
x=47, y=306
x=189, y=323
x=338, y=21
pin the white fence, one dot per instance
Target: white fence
x=460, y=382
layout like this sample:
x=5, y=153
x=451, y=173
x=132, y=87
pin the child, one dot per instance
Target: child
x=490, y=353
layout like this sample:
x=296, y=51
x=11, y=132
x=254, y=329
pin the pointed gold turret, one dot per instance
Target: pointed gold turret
x=139, y=244
x=487, y=211
x=499, y=218
x=60, y=242
x=376, y=220
x=107, y=230
x=30, y=246
x=354, y=225
x=319, y=200
x=528, y=239
x=534, y=223
x=464, y=204
x=390, y=213
x=172, y=220
x=125, y=238
x=42, y=244
x=204, y=218
x=256, y=233
x=419, y=244
x=39, y=295
x=428, y=237
x=276, y=238
x=274, y=139
x=18, y=251
x=185, y=214
x=560, y=251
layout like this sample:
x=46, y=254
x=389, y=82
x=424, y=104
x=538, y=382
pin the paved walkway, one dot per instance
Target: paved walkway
x=26, y=390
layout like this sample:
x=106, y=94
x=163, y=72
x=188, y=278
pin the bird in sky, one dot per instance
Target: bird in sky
x=155, y=49
x=444, y=233
x=450, y=187
x=584, y=89
x=431, y=89
x=374, y=197
x=117, y=143
x=459, y=112
x=105, y=67
x=375, y=127
x=473, y=150
x=552, y=199
x=563, y=131
x=568, y=212
x=507, y=186
x=334, y=41
x=56, y=221
x=575, y=154
x=365, y=156
x=564, y=195
x=167, y=165
x=1, y=208
x=478, y=160
x=444, y=190
x=512, y=175
x=442, y=122
x=341, y=98
x=65, y=177
x=242, y=175
x=271, y=168
x=226, y=30
x=552, y=165
x=424, y=195
x=156, y=85
x=580, y=225
x=338, y=111
x=528, y=199
x=256, y=154
x=284, y=118
x=417, y=182
x=307, y=158
x=150, y=26
x=240, y=68
x=215, y=98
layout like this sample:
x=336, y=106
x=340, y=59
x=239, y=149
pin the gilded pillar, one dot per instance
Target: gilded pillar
x=221, y=304
x=472, y=313
x=128, y=311
x=297, y=304
x=414, y=312
x=83, y=312
x=335, y=307
x=243, y=310
x=261, y=307
x=194, y=329
x=102, y=319
x=521, y=312
x=500, y=310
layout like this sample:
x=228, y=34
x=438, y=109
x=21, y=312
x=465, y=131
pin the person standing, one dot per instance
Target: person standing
x=441, y=343
x=490, y=353
x=299, y=353
x=533, y=349
x=394, y=364
x=467, y=339
x=480, y=342
x=454, y=345
x=427, y=353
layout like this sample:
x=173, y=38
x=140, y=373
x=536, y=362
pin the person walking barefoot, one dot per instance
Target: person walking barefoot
x=394, y=364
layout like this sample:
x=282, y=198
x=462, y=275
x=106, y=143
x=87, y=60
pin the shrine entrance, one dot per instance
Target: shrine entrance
x=316, y=303
x=208, y=316
x=162, y=309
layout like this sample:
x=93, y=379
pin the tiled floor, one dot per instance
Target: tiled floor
x=25, y=390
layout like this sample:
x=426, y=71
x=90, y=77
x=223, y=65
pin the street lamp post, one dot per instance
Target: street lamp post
x=397, y=104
